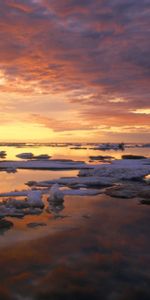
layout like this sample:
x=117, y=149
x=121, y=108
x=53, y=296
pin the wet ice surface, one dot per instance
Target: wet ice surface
x=83, y=247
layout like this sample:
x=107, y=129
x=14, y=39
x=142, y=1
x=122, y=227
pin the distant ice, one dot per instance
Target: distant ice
x=44, y=165
x=3, y=154
x=29, y=155
x=109, y=146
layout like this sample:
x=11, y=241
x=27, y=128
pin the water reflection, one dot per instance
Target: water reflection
x=55, y=208
x=10, y=182
x=103, y=257
x=5, y=225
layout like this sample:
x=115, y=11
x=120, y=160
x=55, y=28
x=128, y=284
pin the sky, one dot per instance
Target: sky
x=75, y=70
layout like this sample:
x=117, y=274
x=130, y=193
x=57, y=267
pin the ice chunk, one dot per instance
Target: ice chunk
x=13, y=203
x=85, y=192
x=55, y=194
x=44, y=165
x=12, y=212
x=34, y=199
x=3, y=154
x=27, y=155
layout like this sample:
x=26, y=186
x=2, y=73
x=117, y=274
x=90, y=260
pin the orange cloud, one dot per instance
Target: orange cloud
x=86, y=53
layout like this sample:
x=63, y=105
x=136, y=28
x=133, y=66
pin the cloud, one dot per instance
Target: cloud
x=59, y=125
x=95, y=48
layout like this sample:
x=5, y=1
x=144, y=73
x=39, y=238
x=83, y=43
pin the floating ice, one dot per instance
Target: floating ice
x=85, y=192
x=11, y=212
x=108, y=146
x=30, y=155
x=3, y=154
x=55, y=194
x=90, y=181
x=34, y=199
x=27, y=155
x=120, y=169
x=45, y=165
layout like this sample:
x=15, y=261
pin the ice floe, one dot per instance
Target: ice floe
x=44, y=165
x=3, y=154
x=27, y=155
x=131, y=156
x=101, y=157
x=34, y=199
x=90, y=181
x=114, y=179
x=129, y=190
x=120, y=169
x=80, y=192
x=55, y=194
x=14, y=208
x=14, y=194
x=109, y=146
x=30, y=155
x=55, y=200
x=10, y=212
x=14, y=203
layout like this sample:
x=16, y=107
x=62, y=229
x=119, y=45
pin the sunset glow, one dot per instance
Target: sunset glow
x=74, y=70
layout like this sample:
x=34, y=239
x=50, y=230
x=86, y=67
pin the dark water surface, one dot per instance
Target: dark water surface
x=99, y=250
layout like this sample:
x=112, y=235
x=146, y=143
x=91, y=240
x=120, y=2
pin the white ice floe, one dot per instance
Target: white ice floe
x=104, y=175
x=129, y=190
x=13, y=203
x=18, y=211
x=14, y=194
x=34, y=199
x=18, y=208
x=78, y=192
x=32, y=205
x=99, y=176
x=10, y=212
x=44, y=165
x=55, y=194
x=90, y=181
x=120, y=169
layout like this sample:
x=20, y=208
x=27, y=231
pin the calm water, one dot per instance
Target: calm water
x=98, y=248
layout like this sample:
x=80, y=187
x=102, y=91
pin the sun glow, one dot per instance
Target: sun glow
x=24, y=132
x=142, y=111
